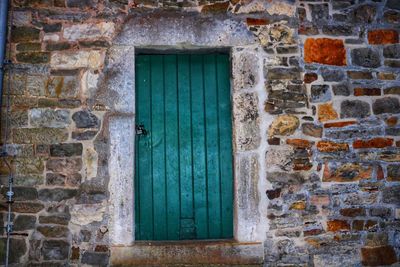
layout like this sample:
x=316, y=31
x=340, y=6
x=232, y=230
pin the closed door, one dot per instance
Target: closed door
x=183, y=177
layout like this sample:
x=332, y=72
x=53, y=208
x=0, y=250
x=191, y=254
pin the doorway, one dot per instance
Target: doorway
x=183, y=147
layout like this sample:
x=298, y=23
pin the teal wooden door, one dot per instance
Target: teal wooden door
x=183, y=177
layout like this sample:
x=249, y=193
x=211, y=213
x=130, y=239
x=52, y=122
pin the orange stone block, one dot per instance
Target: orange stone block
x=378, y=142
x=326, y=112
x=349, y=172
x=327, y=146
x=325, y=51
x=338, y=225
x=299, y=143
x=256, y=22
x=339, y=124
x=367, y=91
x=387, y=36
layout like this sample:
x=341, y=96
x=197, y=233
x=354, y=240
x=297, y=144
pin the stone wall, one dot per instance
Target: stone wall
x=315, y=92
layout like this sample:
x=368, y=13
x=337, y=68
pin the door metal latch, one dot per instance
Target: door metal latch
x=140, y=130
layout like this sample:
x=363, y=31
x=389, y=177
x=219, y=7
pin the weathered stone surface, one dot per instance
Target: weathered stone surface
x=39, y=135
x=26, y=47
x=311, y=129
x=325, y=51
x=85, y=119
x=386, y=36
x=55, y=249
x=283, y=73
x=341, y=89
x=95, y=258
x=77, y=59
x=23, y=207
x=61, y=219
x=327, y=112
x=284, y=125
x=17, y=249
x=328, y=146
x=280, y=157
x=56, y=194
x=66, y=150
x=248, y=169
x=330, y=75
x=376, y=256
x=64, y=165
x=386, y=105
x=354, y=109
x=85, y=135
x=24, y=222
x=246, y=70
x=391, y=194
x=53, y=231
x=365, y=57
x=33, y=57
x=49, y=118
x=84, y=214
x=89, y=31
x=320, y=93
x=24, y=34
x=247, y=121
x=348, y=172
x=62, y=87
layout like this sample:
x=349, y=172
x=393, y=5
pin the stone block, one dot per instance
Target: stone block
x=330, y=75
x=383, y=36
x=327, y=112
x=39, y=135
x=77, y=59
x=23, y=207
x=64, y=165
x=246, y=123
x=325, y=51
x=320, y=93
x=85, y=119
x=310, y=77
x=353, y=212
x=283, y=73
x=85, y=135
x=328, y=146
x=341, y=89
x=367, y=91
x=366, y=57
x=378, y=142
x=17, y=250
x=56, y=194
x=346, y=172
x=53, y=231
x=338, y=225
x=55, y=249
x=245, y=70
x=24, y=34
x=354, y=109
x=101, y=30
x=33, y=57
x=311, y=129
x=62, y=86
x=391, y=51
x=49, y=118
x=386, y=105
x=377, y=256
x=284, y=125
x=66, y=150
x=391, y=195
x=364, y=14
x=61, y=219
x=24, y=222
x=95, y=258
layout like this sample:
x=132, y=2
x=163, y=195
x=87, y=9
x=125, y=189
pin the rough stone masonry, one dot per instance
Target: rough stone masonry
x=315, y=93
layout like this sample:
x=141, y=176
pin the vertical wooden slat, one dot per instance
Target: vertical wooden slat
x=172, y=151
x=198, y=134
x=143, y=152
x=157, y=147
x=212, y=143
x=225, y=145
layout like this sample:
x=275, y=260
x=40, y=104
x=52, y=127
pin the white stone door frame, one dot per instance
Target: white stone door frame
x=187, y=33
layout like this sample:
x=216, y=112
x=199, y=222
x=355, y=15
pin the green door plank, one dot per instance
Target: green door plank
x=172, y=151
x=143, y=154
x=185, y=146
x=225, y=145
x=158, y=148
x=183, y=175
x=199, y=152
x=212, y=147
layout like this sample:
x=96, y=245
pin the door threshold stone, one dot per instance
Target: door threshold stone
x=188, y=253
